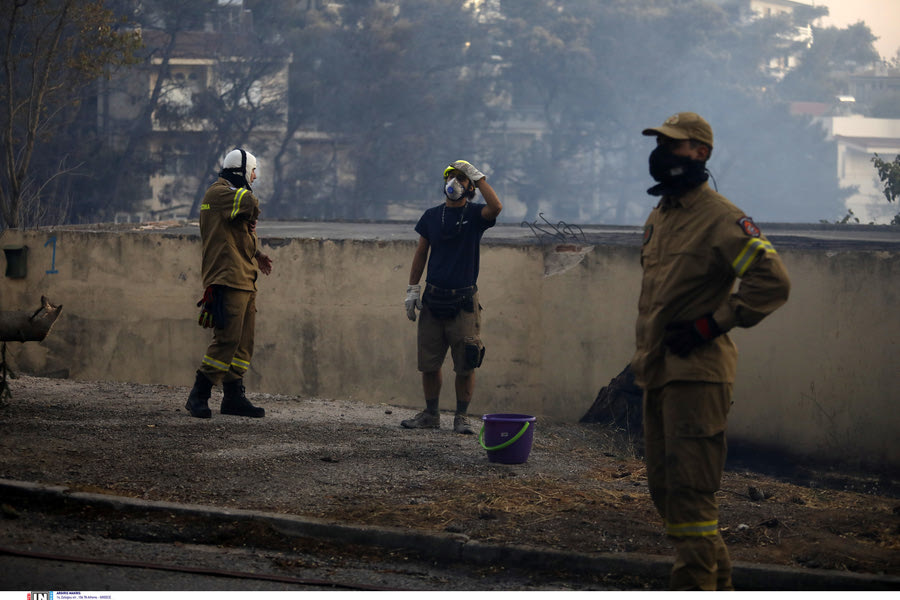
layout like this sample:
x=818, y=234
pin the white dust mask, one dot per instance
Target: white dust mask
x=454, y=189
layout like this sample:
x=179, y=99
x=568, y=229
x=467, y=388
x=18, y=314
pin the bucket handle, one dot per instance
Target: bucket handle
x=508, y=442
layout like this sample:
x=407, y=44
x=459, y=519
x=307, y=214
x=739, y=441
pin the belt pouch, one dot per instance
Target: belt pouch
x=446, y=306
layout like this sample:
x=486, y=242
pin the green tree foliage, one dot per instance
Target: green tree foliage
x=227, y=110
x=555, y=83
x=203, y=121
x=117, y=162
x=548, y=96
x=51, y=51
x=889, y=174
x=832, y=52
x=594, y=88
x=400, y=89
x=231, y=110
x=128, y=163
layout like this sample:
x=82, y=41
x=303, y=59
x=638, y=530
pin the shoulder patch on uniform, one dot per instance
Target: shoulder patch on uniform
x=749, y=227
x=648, y=233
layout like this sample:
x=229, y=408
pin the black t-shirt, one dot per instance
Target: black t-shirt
x=454, y=235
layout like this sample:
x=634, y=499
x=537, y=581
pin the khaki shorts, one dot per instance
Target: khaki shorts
x=435, y=336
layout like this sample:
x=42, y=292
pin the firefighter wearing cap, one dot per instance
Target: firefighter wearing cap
x=449, y=240
x=228, y=218
x=695, y=245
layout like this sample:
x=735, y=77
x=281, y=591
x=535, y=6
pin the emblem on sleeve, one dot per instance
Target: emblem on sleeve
x=749, y=227
x=648, y=233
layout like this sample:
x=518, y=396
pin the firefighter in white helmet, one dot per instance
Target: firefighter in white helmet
x=231, y=255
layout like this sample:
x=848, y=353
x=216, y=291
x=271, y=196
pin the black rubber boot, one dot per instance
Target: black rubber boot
x=234, y=402
x=198, y=399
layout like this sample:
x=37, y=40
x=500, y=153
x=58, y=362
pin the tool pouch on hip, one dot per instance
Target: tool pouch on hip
x=212, y=307
x=447, y=306
x=474, y=354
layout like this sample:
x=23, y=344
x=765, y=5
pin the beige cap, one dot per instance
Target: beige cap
x=684, y=126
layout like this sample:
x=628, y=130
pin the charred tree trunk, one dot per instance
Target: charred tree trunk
x=618, y=405
x=23, y=326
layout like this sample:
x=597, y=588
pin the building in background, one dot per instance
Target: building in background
x=858, y=139
x=205, y=87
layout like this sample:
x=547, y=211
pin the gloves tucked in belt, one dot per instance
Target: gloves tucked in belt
x=212, y=308
x=682, y=337
x=413, y=300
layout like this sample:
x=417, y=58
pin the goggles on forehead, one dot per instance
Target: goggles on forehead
x=454, y=174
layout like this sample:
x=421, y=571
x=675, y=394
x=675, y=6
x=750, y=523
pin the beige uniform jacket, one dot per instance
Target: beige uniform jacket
x=694, y=248
x=228, y=245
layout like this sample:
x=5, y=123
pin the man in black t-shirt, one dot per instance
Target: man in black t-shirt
x=450, y=312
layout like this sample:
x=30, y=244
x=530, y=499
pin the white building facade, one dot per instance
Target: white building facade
x=858, y=140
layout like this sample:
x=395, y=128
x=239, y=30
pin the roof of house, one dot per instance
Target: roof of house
x=210, y=44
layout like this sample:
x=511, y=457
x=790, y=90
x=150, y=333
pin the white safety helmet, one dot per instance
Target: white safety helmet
x=242, y=161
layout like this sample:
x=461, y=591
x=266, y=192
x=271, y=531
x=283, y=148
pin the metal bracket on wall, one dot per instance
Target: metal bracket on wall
x=561, y=232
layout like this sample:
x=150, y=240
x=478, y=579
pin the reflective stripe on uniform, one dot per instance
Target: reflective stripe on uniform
x=240, y=365
x=753, y=247
x=215, y=364
x=236, y=205
x=696, y=529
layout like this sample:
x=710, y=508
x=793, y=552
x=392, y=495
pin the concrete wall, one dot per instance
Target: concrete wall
x=818, y=377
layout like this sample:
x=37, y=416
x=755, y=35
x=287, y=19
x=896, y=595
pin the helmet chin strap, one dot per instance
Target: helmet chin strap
x=241, y=178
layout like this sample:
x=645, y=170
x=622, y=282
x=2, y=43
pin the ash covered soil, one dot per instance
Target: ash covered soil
x=582, y=489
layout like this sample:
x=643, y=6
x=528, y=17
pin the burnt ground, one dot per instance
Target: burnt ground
x=582, y=489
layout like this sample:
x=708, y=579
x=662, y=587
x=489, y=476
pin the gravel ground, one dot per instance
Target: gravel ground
x=582, y=489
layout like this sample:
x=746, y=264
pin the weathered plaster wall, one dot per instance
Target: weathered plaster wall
x=819, y=376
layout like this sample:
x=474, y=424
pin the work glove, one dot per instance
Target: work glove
x=212, y=308
x=413, y=301
x=471, y=172
x=682, y=337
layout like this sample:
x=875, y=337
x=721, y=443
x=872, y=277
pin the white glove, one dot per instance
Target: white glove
x=413, y=301
x=471, y=172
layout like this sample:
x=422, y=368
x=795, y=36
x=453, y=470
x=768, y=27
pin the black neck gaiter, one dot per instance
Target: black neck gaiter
x=675, y=174
x=235, y=178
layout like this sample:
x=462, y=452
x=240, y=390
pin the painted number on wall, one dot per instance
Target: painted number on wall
x=52, y=240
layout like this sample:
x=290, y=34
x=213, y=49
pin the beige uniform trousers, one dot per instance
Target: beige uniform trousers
x=228, y=356
x=684, y=436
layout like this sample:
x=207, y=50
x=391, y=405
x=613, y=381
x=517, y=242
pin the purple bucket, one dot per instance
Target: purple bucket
x=507, y=437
